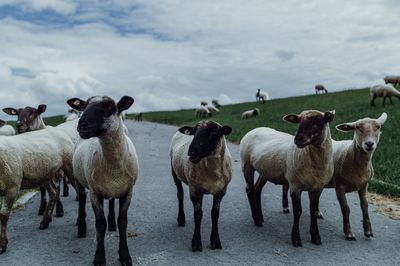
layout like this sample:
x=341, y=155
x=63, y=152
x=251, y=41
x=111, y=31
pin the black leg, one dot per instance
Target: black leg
x=296, y=205
x=112, y=226
x=65, y=186
x=81, y=221
x=181, y=212
x=59, y=205
x=124, y=256
x=258, y=215
x=197, y=200
x=101, y=226
x=43, y=201
x=215, y=241
x=285, y=201
x=390, y=98
x=47, y=215
x=314, y=203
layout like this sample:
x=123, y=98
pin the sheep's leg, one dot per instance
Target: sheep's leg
x=285, y=201
x=362, y=193
x=65, y=186
x=341, y=196
x=248, y=172
x=112, y=226
x=197, y=200
x=296, y=205
x=101, y=226
x=9, y=198
x=314, y=203
x=124, y=256
x=390, y=99
x=259, y=218
x=81, y=221
x=43, y=201
x=181, y=212
x=59, y=205
x=47, y=216
x=384, y=100
x=214, y=239
x=373, y=100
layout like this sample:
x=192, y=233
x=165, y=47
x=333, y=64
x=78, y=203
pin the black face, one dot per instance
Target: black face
x=26, y=117
x=309, y=131
x=97, y=114
x=207, y=135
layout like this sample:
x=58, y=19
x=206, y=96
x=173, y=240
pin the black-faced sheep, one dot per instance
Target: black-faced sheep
x=200, y=158
x=304, y=162
x=250, y=113
x=320, y=88
x=262, y=96
x=105, y=162
x=392, y=80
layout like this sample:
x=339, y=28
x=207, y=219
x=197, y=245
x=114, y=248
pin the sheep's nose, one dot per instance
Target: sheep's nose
x=298, y=138
x=369, y=144
x=18, y=123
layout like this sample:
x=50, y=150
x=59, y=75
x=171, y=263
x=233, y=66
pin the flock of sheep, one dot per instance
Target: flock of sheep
x=92, y=150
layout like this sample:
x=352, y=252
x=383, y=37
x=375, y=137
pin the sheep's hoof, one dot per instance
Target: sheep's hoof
x=316, y=240
x=3, y=245
x=258, y=222
x=351, y=237
x=3, y=249
x=126, y=262
x=181, y=220
x=196, y=245
x=215, y=245
x=44, y=225
x=59, y=213
x=112, y=228
x=368, y=234
x=98, y=262
x=81, y=231
x=297, y=243
x=286, y=210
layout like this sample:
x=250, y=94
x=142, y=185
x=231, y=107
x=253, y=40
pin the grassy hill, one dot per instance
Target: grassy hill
x=350, y=105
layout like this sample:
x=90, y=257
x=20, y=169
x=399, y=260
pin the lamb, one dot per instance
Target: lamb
x=29, y=119
x=212, y=109
x=385, y=91
x=105, y=162
x=6, y=130
x=200, y=158
x=250, y=113
x=262, y=96
x=320, y=88
x=202, y=111
x=306, y=165
x=32, y=160
x=392, y=79
x=215, y=103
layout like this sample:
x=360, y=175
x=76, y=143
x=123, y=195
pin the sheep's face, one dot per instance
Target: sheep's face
x=28, y=118
x=206, y=137
x=367, y=132
x=311, y=126
x=101, y=115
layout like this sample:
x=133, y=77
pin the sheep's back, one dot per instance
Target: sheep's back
x=7, y=130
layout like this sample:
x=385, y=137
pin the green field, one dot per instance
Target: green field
x=350, y=105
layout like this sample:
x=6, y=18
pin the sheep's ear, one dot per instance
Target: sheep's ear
x=10, y=111
x=2, y=123
x=124, y=103
x=329, y=116
x=41, y=108
x=225, y=130
x=77, y=104
x=187, y=130
x=346, y=127
x=292, y=118
x=382, y=119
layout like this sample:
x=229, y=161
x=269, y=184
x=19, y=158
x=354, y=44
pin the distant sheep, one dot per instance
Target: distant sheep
x=203, y=103
x=72, y=114
x=212, y=109
x=320, y=88
x=139, y=116
x=262, y=96
x=392, y=80
x=216, y=103
x=385, y=91
x=6, y=130
x=202, y=111
x=250, y=113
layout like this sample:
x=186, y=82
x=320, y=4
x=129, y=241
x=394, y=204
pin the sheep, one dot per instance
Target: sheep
x=206, y=169
x=6, y=130
x=202, y=111
x=31, y=160
x=250, y=113
x=29, y=119
x=215, y=103
x=139, y=116
x=203, y=103
x=73, y=114
x=105, y=162
x=305, y=165
x=320, y=88
x=385, y=91
x=392, y=79
x=262, y=96
x=212, y=109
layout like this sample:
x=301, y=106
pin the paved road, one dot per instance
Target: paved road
x=160, y=241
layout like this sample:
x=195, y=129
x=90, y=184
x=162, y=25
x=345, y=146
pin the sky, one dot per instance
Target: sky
x=172, y=54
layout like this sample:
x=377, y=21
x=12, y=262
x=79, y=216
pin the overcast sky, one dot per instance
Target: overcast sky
x=171, y=54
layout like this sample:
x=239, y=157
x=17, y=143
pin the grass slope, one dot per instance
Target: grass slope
x=350, y=105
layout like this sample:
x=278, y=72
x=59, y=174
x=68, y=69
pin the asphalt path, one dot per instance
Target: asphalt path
x=156, y=239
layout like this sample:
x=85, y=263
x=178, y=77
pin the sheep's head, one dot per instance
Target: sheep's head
x=206, y=137
x=311, y=126
x=367, y=131
x=28, y=118
x=101, y=114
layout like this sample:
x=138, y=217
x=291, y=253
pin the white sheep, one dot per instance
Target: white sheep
x=212, y=109
x=203, y=103
x=216, y=103
x=72, y=114
x=202, y=111
x=200, y=158
x=6, y=130
x=385, y=91
x=28, y=118
x=31, y=160
x=105, y=162
x=392, y=79
x=250, y=113
x=304, y=162
x=262, y=96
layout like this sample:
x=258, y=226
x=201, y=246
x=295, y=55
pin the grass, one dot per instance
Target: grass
x=350, y=105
